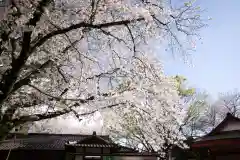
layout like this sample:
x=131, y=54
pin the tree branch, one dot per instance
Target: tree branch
x=111, y=35
x=10, y=79
x=17, y=13
x=13, y=45
x=38, y=117
x=64, y=99
x=62, y=74
x=106, y=107
x=133, y=41
x=104, y=74
x=94, y=6
x=26, y=80
x=17, y=65
x=80, y=25
x=72, y=44
x=38, y=13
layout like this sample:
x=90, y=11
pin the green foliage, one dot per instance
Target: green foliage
x=196, y=107
x=131, y=120
x=194, y=121
x=183, y=91
x=189, y=3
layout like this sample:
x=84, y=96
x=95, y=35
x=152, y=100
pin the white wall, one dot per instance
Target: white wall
x=79, y=157
x=134, y=158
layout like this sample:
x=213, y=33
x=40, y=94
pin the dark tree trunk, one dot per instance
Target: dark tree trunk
x=5, y=129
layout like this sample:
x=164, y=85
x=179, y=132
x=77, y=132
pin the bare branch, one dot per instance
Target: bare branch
x=81, y=25
x=38, y=13
x=63, y=99
x=94, y=7
x=53, y=107
x=133, y=41
x=110, y=34
x=26, y=80
x=104, y=74
x=77, y=49
x=38, y=117
x=62, y=74
x=72, y=44
x=106, y=107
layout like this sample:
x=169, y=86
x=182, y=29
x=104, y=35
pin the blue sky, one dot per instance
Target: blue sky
x=216, y=62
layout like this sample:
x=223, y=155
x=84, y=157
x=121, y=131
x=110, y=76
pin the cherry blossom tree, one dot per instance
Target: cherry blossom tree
x=203, y=114
x=65, y=56
x=153, y=117
x=199, y=116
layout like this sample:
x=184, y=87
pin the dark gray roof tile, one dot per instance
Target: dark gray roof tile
x=93, y=145
x=42, y=141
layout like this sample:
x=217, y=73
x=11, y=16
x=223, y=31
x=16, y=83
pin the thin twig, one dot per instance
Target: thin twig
x=133, y=41
x=62, y=74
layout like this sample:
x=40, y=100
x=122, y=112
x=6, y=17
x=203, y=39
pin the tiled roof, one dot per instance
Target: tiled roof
x=218, y=129
x=95, y=141
x=42, y=141
x=223, y=135
x=93, y=145
x=39, y=141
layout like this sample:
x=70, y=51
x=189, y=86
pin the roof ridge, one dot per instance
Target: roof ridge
x=228, y=116
x=94, y=137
